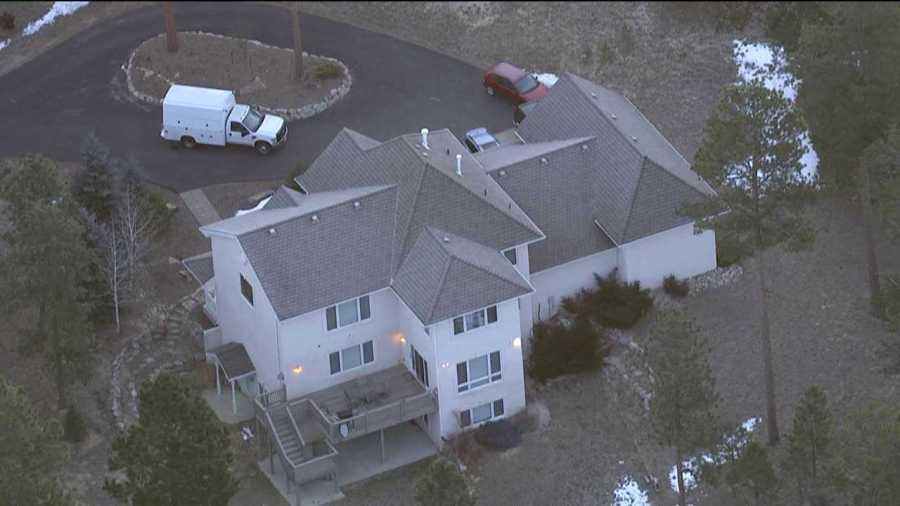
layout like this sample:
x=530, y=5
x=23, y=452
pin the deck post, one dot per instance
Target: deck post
x=381, y=432
x=218, y=383
x=233, y=400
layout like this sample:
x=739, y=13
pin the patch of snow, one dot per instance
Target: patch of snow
x=3, y=44
x=759, y=61
x=546, y=78
x=262, y=204
x=629, y=493
x=58, y=9
x=736, y=440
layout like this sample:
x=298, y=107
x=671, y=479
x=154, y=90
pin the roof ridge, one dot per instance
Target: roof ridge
x=637, y=188
x=430, y=231
x=482, y=269
x=375, y=190
x=628, y=141
x=463, y=260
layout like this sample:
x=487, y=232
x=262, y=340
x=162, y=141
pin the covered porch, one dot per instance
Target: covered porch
x=376, y=453
x=233, y=367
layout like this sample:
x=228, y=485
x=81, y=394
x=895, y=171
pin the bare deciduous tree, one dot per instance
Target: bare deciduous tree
x=136, y=226
x=110, y=246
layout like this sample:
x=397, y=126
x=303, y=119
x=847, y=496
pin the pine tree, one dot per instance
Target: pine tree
x=33, y=178
x=753, y=473
x=683, y=402
x=751, y=155
x=177, y=453
x=94, y=187
x=809, y=442
x=46, y=268
x=31, y=454
x=443, y=485
x=869, y=456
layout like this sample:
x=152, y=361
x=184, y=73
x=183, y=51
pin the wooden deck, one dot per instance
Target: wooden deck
x=363, y=405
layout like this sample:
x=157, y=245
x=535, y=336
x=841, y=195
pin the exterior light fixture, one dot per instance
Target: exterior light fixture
x=517, y=342
x=445, y=364
x=297, y=370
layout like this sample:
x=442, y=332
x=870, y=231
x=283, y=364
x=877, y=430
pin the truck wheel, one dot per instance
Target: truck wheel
x=263, y=148
x=188, y=142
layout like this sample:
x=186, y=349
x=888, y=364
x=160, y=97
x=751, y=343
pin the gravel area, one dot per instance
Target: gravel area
x=671, y=66
x=258, y=74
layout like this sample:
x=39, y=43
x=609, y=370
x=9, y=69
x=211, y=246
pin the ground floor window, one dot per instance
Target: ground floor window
x=481, y=413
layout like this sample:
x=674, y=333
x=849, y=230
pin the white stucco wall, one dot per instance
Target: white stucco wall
x=563, y=280
x=306, y=342
x=676, y=251
x=253, y=326
x=452, y=349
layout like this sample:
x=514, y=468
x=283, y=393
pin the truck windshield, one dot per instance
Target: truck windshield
x=253, y=119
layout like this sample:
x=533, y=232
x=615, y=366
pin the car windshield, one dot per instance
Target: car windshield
x=526, y=84
x=253, y=119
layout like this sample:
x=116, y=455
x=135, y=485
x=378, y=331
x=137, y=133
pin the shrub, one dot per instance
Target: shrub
x=785, y=20
x=499, y=435
x=328, y=70
x=558, y=350
x=156, y=207
x=7, y=21
x=619, y=305
x=74, y=428
x=729, y=250
x=675, y=287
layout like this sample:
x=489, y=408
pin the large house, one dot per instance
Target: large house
x=397, y=289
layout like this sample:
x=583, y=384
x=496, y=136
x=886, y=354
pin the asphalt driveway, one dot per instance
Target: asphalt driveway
x=49, y=105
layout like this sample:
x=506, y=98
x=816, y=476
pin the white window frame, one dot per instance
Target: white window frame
x=492, y=376
x=362, y=358
x=337, y=313
x=241, y=288
x=466, y=324
x=473, y=423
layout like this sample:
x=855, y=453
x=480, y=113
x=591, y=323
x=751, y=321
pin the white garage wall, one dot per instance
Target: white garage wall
x=676, y=251
x=553, y=284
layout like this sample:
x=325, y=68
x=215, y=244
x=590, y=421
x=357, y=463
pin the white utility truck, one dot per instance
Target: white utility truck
x=193, y=115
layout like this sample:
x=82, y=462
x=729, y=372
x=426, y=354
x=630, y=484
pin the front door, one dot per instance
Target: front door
x=420, y=365
x=238, y=134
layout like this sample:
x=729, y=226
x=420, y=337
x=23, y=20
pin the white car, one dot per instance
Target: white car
x=194, y=115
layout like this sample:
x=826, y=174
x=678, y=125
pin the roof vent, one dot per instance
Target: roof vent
x=425, y=138
x=584, y=147
x=613, y=115
x=543, y=161
x=458, y=165
x=593, y=95
x=315, y=218
x=502, y=173
x=356, y=205
x=271, y=231
x=446, y=239
x=633, y=138
x=485, y=193
x=448, y=151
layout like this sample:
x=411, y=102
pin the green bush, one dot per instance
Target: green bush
x=729, y=250
x=676, y=287
x=74, y=428
x=785, y=20
x=157, y=208
x=616, y=304
x=499, y=435
x=557, y=350
x=328, y=70
x=7, y=21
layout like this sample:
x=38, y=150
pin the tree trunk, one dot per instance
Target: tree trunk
x=865, y=198
x=60, y=380
x=679, y=475
x=771, y=416
x=297, y=67
x=171, y=36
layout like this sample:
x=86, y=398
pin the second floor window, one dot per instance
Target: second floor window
x=478, y=371
x=348, y=313
x=352, y=357
x=474, y=320
x=247, y=290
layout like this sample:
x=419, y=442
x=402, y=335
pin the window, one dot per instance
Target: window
x=239, y=128
x=352, y=357
x=478, y=371
x=347, y=313
x=510, y=255
x=481, y=413
x=247, y=290
x=420, y=365
x=474, y=320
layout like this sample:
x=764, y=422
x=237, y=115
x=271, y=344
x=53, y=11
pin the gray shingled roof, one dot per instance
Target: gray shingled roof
x=445, y=275
x=200, y=267
x=306, y=264
x=234, y=360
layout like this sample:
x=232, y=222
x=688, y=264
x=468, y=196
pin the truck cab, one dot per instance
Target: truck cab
x=194, y=115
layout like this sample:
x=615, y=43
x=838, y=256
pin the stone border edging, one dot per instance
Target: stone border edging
x=306, y=111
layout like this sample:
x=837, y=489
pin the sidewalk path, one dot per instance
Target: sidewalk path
x=200, y=207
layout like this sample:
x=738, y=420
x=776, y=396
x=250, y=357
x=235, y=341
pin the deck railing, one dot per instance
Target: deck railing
x=377, y=418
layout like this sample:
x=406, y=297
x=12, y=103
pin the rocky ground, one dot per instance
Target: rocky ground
x=258, y=74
